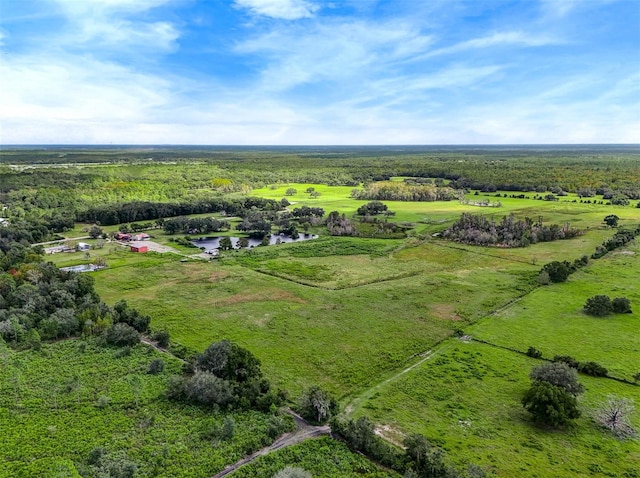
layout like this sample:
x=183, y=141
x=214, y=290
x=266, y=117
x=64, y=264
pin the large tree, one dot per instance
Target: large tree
x=550, y=405
x=558, y=374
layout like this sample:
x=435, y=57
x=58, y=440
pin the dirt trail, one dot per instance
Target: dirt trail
x=304, y=431
x=358, y=401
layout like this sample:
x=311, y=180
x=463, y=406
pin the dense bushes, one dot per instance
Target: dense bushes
x=420, y=459
x=589, y=368
x=601, y=305
x=225, y=375
x=509, y=232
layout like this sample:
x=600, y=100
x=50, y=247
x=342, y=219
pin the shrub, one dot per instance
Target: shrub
x=534, y=352
x=292, y=472
x=156, y=366
x=570, y=361
x=162, y=337
x=621, y=305
x=592, y=368
x=123, y=352
x=121, y=335
x=598, y=305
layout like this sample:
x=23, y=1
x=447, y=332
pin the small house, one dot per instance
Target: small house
x=83, y=246
x=121, y=236
x=139, y=248
x=141, y=237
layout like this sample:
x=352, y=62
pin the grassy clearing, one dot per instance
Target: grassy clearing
x=342, y=339
x=467, y=400
x=552, y=320
x=52, y=421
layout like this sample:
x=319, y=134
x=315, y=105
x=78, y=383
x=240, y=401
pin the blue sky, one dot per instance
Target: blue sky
x=294, y=72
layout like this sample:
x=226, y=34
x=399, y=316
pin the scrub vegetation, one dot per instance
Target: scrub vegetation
x=462, y=312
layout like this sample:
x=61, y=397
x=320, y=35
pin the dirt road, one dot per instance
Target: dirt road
x=304, y=431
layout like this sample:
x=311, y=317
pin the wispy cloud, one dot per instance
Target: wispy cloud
x=515, y=38
x=353, y=72
x=334, y=51
x=114, y=23
x=284, y=9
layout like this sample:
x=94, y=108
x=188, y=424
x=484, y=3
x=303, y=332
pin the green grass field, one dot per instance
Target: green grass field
x=350, y=314
x=466, y=398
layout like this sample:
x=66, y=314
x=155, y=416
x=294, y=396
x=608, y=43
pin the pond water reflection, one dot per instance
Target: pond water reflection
x=212, y=243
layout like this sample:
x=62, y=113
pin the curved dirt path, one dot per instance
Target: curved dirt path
x=304, y=431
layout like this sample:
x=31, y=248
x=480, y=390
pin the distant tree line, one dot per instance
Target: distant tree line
x=509, y=232
x=195, y=225
x=143, y=211
x=402, y=191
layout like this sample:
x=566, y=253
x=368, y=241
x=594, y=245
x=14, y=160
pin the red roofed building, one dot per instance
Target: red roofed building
x=139, y=248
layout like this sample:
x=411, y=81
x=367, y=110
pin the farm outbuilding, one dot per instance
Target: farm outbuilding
x=83, y=246
x=139, y=248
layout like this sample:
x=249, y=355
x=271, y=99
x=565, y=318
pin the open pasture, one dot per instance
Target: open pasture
x=552, y=319
x=304, y=334
x=466, y=398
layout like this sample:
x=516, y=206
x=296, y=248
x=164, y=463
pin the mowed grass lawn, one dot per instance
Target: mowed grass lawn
x=341, y=339
x=466, y=398
x=552, y=319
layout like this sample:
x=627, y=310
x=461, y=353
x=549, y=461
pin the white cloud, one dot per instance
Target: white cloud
x=333, y=52
x=284, y=9
x=496, y=39
x=108, y=23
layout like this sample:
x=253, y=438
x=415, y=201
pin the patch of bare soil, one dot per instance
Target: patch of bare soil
x=262, y=296
x=390, y=434
x=444, y=311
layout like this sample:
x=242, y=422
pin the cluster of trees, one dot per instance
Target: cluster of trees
x=339, y=225
x=225, y=375
x=509, y=232
x=552, y=398
x=601, y=305
x=619, y=239
x=401, y=191
x=143, y=211
x=374, y=208
x=196, y=225
x=420, y=459
x=39, y=301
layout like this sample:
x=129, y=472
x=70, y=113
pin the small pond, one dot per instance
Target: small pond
x=212, y=243
x=82, y=268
